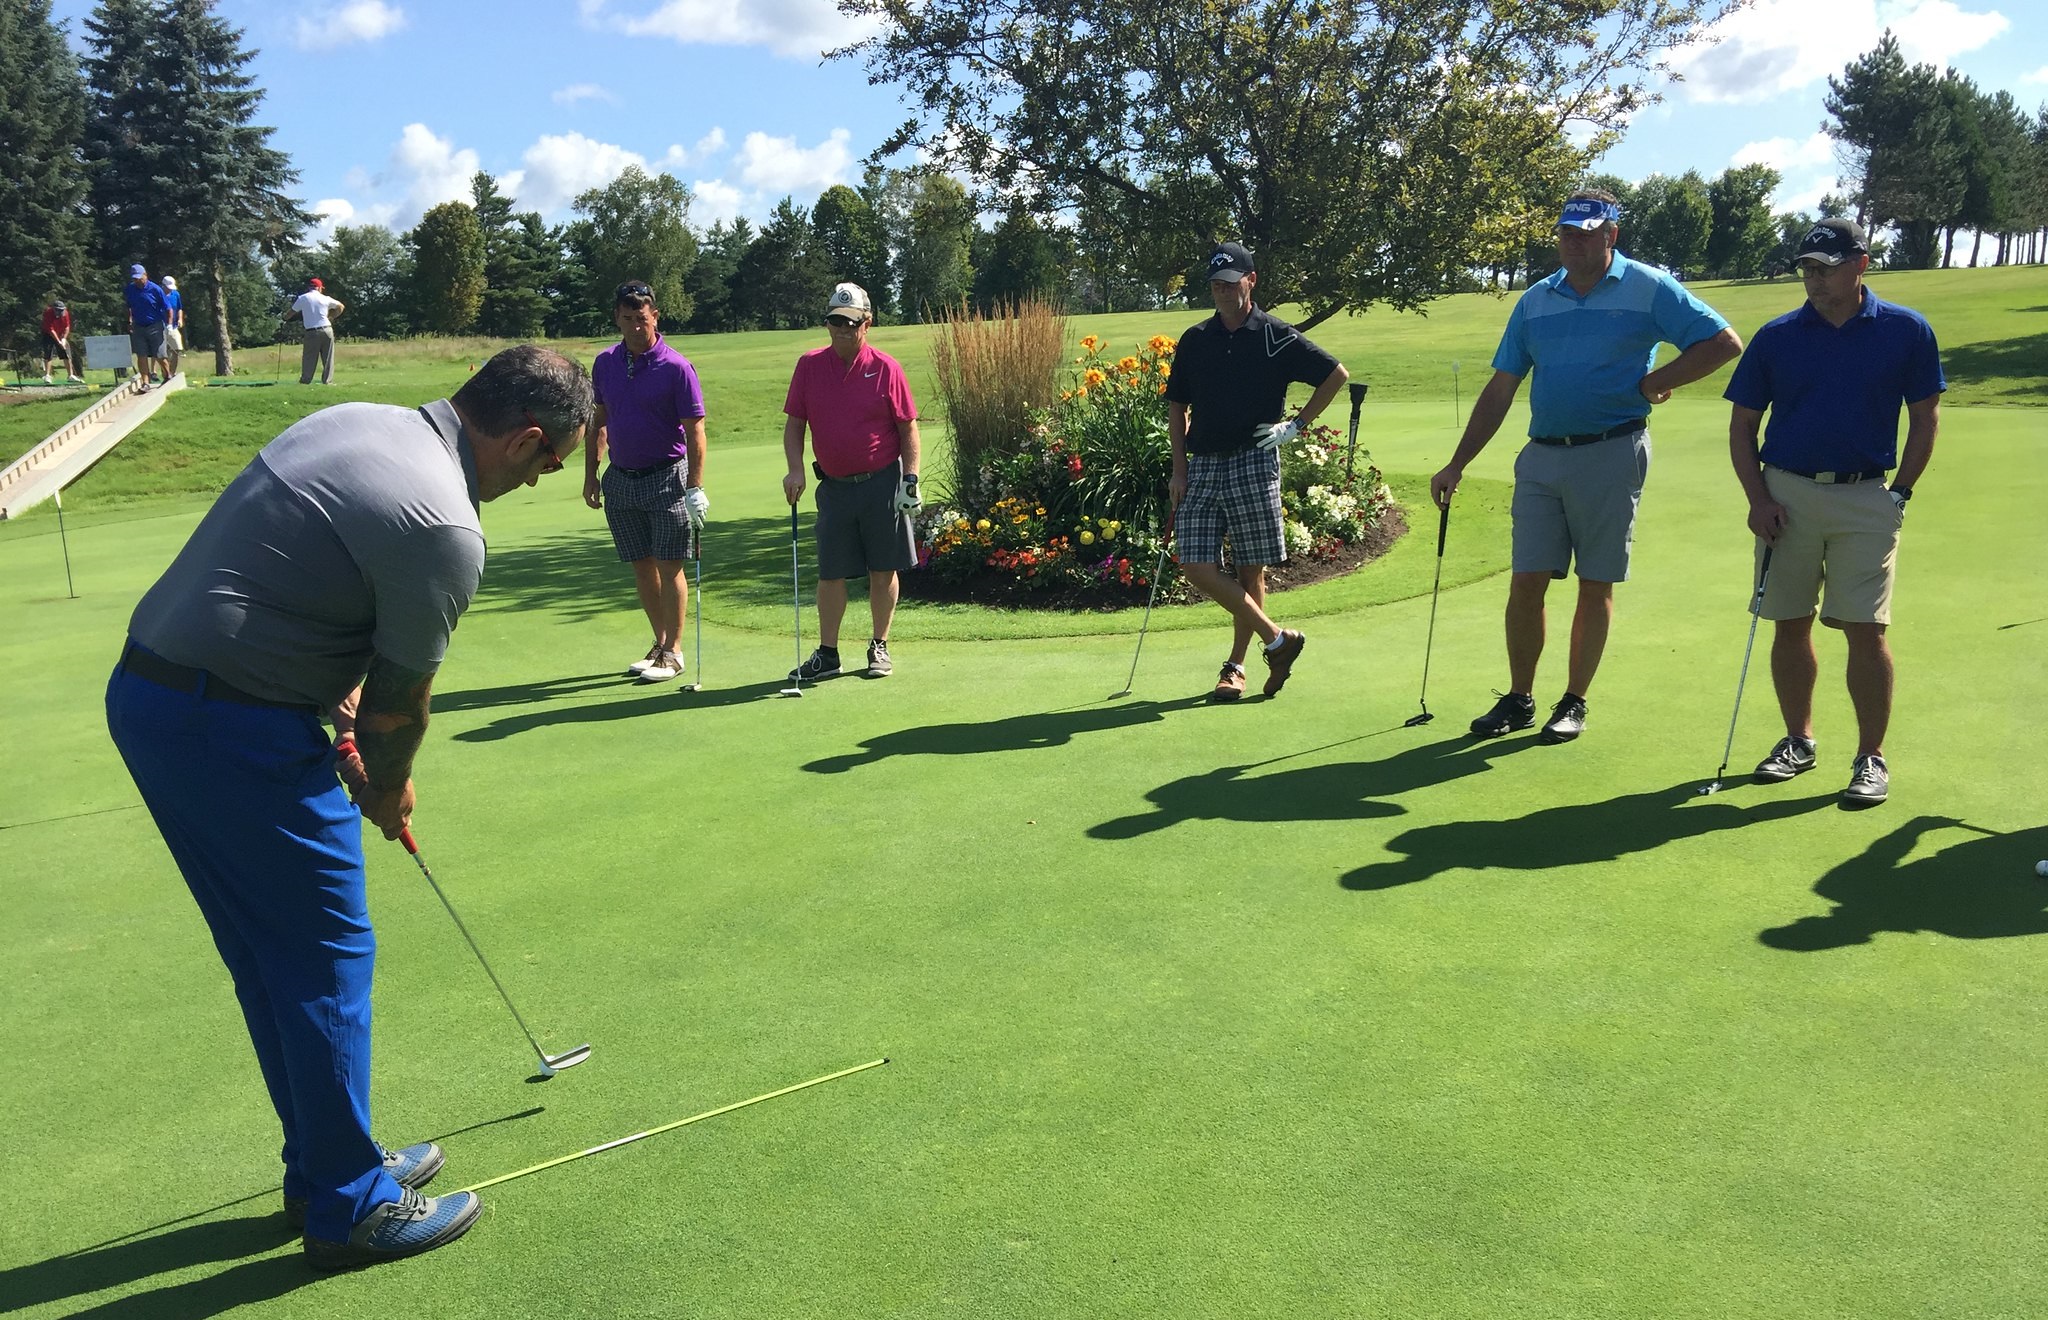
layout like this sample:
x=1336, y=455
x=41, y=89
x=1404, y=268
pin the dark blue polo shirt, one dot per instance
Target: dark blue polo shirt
x=1834, y=394
x=1232, y=380
x=145, y=302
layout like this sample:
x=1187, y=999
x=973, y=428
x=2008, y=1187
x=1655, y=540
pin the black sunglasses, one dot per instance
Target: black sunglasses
x=844, y=323
x=547, y=447
x=632, y=289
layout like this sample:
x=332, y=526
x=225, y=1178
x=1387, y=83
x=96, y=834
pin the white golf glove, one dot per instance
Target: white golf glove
x=1272, y=435
x=696, y=503
x=907, y=498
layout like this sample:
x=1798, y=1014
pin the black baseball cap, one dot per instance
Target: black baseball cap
x=1230, y=262
x=1832, y=242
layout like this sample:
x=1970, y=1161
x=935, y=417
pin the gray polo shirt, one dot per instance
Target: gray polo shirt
x=354, y=533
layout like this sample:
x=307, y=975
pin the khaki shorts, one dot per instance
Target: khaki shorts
x=1843, y=537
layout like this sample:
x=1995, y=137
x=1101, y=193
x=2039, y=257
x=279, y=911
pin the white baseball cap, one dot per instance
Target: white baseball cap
x=849, y=297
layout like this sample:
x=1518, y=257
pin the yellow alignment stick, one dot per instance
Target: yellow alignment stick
x=670, y=1127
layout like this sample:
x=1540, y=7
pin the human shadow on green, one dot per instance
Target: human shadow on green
x=2018, y=360
x=1344, y=790
x=528, y=694
x=1574, y=835
x=1981, y=889
x=1054, y=728
x=214, y=1241
x=577, y=575
x=661, y=699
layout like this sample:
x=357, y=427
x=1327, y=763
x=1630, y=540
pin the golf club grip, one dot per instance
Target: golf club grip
x=1443, y=525
x=411, y=845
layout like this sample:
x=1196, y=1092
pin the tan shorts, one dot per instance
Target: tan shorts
x=1846, y=537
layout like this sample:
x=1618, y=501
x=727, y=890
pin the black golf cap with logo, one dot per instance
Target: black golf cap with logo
x=1230, y=262
x=1832, y=242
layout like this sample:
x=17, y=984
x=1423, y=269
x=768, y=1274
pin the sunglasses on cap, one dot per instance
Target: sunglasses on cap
x=632, y=289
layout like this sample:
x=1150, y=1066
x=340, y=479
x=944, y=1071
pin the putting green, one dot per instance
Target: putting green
x=1277, y=1009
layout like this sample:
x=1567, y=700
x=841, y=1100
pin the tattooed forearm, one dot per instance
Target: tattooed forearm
x=390, y=721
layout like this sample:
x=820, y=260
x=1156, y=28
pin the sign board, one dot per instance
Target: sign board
x=108, y=353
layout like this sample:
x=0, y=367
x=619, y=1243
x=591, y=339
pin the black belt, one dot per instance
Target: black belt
x=1592, y=437
x=1837, y=478
x=646, y=471
x=848, y=481
x=183, y=678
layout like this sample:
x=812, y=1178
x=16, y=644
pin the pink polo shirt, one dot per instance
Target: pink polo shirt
x=853, y=410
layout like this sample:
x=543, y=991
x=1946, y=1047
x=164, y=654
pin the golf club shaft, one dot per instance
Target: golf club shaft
x=796, y=598
x=1357, y=405
x=413, y=848
x=698, y=592
x=1158, y=567
x=670, y=1127
x=1443, y=525
x=1756, y=613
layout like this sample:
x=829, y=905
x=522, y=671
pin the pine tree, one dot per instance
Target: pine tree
x=783, y=281
x=448, y=268
x=852, y=242
x=42, y=120
x=516, y=266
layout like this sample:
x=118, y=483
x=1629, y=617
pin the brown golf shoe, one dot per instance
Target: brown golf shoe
x=1280, y=659
x=1229, y=683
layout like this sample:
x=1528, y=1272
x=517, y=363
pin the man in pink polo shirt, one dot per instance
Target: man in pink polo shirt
x=863, y=424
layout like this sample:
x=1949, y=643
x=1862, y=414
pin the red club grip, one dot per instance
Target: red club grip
x=405, y=837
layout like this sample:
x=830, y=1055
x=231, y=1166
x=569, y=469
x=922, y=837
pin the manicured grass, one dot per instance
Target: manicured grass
x=1279, y=1009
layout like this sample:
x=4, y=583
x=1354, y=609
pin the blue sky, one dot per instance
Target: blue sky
x=388, y=106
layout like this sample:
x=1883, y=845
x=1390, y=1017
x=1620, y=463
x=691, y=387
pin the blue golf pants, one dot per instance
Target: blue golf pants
x=271, y=847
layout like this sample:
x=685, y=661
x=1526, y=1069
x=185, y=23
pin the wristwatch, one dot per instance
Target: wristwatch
x=1899, y=494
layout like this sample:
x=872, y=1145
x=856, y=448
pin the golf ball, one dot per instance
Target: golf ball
x=2041, y=869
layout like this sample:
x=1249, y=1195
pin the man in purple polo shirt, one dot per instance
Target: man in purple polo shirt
x=863, y=423
x=1833, y=375
x=650, y=416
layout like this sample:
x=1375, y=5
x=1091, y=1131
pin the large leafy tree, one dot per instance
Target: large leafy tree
x=852, y=242
x=1367, y=151
x=711, y=280
x=1744, y=231
x=42, y=120
x=1674, y=218
x=447, y=268
x=934, y=263
x=1896, y=130
x=635, y=228
x=366, y=266
x=1021, y=258
x=186, y=180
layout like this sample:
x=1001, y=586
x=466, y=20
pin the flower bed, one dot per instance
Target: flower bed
x=1074, y=518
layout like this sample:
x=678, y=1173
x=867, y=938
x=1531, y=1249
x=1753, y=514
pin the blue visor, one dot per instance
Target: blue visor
x=1585, y=213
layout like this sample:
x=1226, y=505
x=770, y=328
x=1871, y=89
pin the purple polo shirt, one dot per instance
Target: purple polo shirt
x=647, y=398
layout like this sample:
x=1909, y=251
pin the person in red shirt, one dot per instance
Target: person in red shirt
x=856, y=402
x=57, y=341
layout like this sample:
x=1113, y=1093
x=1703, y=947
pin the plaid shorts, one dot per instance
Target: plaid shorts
x=1236, y=494
x=646, y=513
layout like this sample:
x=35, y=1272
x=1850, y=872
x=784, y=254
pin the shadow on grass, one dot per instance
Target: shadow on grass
x=1573, y=835
x=1346, y=790
x=2014, y=362
x=1979, y=890
x=578, y=574
x=180, y=1244
x=660, y=699
x=528, y=694
x=1054, y=728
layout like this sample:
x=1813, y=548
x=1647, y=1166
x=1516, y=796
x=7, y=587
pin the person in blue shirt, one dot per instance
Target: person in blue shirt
x=1833, y=375
x=148, y=316
x=174, y=326
x=1590, y=332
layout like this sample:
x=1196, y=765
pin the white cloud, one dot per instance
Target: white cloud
x=800, y=29
x=779, y=165
x=575, y=92
x=713, y=200
x=1787, y=154
x=2037, y=77
x=357, y=20
x=333, y=212
x=1779, y=46
x=429, y=170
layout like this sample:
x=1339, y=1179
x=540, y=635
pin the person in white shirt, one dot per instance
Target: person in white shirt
x=318, y=311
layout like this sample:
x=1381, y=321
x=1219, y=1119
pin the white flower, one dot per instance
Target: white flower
x=1297, y=538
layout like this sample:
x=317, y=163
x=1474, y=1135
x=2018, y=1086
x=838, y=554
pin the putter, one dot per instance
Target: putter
x=1358, y=389
x=796, y=601
x=1756, y=612
x=1158, y=568
x=697, y=684
x=1443, y=524
x=550, y=1064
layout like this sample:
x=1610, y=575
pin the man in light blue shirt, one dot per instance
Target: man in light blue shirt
x=1590, y=332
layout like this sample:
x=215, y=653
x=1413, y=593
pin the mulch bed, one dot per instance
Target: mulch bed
x=1007, y=593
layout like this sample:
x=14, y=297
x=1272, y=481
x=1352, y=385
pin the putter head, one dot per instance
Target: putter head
x=554, y=1063
x=1417, y=721
x=790, y=692
x=1114, y=695
x=1714, y=787
x=692, y=687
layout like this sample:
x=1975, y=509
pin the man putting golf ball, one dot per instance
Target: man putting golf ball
x=339, y=559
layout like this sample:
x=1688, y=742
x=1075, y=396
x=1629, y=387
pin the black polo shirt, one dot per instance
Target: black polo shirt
x=1233, y=381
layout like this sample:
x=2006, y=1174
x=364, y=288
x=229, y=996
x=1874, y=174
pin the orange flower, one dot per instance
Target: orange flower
x=1127, y=364
x=1092, y=379
x=1090, y=342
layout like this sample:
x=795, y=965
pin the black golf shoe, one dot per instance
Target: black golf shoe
x=1792, y=756
x=1514, y=710
x=1567, y=720
x=414, y=1166
x=822, y=664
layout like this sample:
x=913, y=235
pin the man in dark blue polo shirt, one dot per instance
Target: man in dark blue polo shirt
x=148, y=316
x=1232, y=372
x=1590, y=332
x=650, y=419
x=1833, y=375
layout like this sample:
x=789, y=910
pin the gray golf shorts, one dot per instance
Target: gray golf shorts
x=859, y=530
x=1236, y=493
x=147, y=340
x=646, y=514
x=1579, y=503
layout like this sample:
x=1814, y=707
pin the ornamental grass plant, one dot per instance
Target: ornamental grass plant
x=995, y=373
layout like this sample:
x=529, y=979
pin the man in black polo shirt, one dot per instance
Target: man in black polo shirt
x=1833, y=374
x=1232, y=372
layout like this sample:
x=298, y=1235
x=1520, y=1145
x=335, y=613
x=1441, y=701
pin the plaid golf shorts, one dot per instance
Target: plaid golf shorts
x=1236, y=494
x=646, y=514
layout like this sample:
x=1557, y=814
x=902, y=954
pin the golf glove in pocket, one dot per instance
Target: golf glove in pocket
x=696, y=503
x=1272, y=435
x=907, y=498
